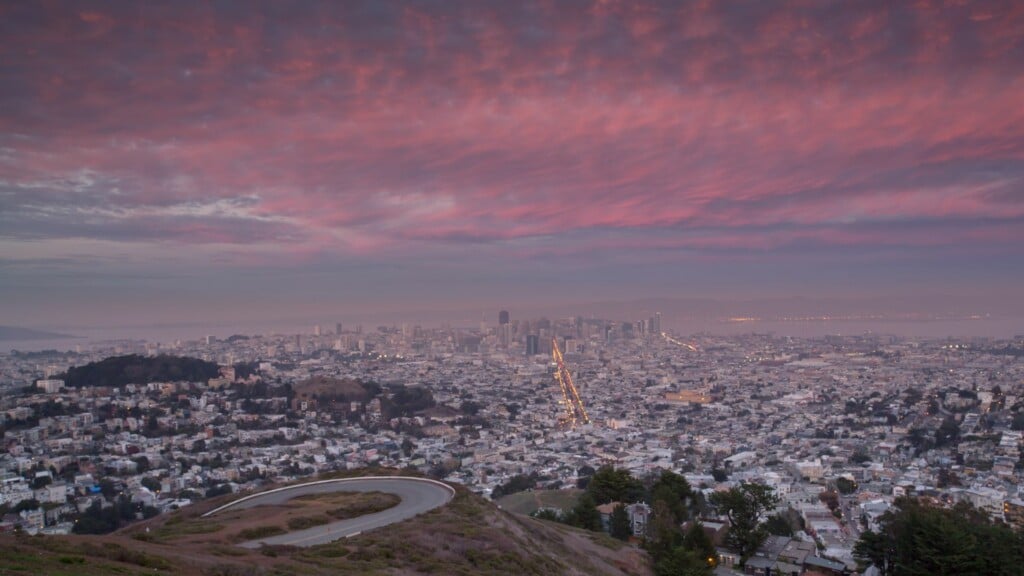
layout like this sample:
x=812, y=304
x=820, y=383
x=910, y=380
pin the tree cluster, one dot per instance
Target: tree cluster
x=98, y=519
x=916, y=539
x=517, y=483
x=136, y=369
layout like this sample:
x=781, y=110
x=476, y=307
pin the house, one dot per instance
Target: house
x=606, y=514
x=826, y=566
x=796, y=551
x=639, y=514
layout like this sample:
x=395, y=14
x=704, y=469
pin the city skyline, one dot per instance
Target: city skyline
x=232, y=163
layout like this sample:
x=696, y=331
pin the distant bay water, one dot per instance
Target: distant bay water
x=991, y=327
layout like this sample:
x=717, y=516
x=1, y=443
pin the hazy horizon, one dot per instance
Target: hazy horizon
x=795, y=317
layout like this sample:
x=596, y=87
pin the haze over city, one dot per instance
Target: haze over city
x=257, y=163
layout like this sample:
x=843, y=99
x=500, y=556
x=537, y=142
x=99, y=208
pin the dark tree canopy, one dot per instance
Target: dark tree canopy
x=619, y=525
x=744, y=505
x=611, y=485
x=675, y=491
x=135, y=369
x=918, y=540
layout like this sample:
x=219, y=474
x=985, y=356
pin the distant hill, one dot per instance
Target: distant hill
x=135, y=369
x=342, y=390
x=469, y=537
x=17, y=333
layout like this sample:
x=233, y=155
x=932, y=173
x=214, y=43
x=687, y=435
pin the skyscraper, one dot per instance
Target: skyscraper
x=503, y=317
x=532, y=344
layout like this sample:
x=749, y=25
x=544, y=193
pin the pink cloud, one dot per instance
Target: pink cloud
x=481, y=125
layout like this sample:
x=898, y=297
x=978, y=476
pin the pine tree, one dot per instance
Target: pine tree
x=619, y=525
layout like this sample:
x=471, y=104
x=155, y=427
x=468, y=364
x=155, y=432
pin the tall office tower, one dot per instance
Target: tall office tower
x=506, y=335
x=316, y=330
x=337, y=328
x=532, y=344
x=657, y=322
x=503, y=317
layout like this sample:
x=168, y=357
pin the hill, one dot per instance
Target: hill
x=470, y=536
x=335, y=389
x=135, y=369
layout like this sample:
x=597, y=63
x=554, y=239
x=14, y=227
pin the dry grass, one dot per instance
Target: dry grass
x=470, y=536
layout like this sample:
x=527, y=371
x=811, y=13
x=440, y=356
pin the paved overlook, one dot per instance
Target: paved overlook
x=418, y=495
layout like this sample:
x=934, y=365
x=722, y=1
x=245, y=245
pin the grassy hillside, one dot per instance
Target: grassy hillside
x=529, y=501
x=470, y=536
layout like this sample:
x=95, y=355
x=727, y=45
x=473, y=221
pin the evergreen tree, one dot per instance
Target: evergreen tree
x=675, y=491
x=916, y=539
x=585, y=515
x=619, y=524
x=682, y=562
x=663, y=532
x=611, y=485
x=697, y=540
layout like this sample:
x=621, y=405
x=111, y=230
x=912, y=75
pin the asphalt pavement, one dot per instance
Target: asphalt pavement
x=418, y=496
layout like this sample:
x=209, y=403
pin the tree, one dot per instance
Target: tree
x=611, y=485
x=948, y=432
x=872, y=549
x=697, y=540
x=860, y=456
x=407, y=447
x=517, y=483
x=830, y=499
x=778, y=525
x=619, y=524
x=915, y=539
x=150, y=483
x=142, y=464
x=1018, y=421
x=719, y=475
x=585, y=515
x=845, y=486
x=218, y=491
x=675, y=491
x=947, y=477
x=662, y=531
x=743, y=505
x=682, y=562
x=29, y=504
x=919, y=439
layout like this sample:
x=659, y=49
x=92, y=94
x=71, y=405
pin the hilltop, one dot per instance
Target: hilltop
x=335, y=389
x=470, y=536
x=135, y=369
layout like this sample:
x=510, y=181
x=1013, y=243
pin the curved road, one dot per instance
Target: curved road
x=418, y=496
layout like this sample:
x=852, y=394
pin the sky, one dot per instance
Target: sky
x=223, y=161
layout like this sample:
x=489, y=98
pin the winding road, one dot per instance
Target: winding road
x=418, y=496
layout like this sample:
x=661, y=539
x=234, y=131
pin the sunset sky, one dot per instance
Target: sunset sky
x=213, y=161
